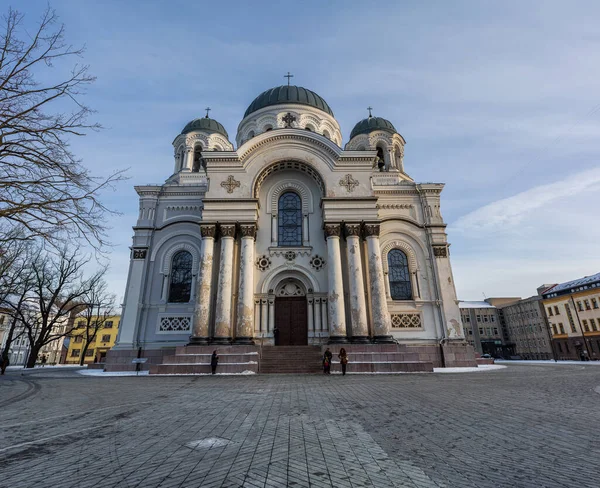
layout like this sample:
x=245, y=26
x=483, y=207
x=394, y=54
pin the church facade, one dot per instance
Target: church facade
x=288, y=238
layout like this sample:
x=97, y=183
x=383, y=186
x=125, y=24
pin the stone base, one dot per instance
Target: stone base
x=221, y=340
x=244, y=341
x=379, y=358
x=338, y=340
x=190, y=360
x=120, y=359
x=360, y=340
x=458, y=355
x=199, y=341
x=384, y=339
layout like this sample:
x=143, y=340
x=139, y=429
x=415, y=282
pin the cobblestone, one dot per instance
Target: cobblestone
x=524, y=426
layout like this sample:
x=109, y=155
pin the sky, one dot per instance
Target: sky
x=498, y=100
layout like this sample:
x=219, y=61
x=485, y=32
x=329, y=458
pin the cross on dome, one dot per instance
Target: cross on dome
x=288, y=76
x=369, y=109
x=208, y=109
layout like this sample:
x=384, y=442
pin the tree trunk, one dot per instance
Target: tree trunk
x=83, y=351
x=33, y=354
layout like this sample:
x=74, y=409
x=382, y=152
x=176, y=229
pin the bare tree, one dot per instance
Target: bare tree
x=45, y=191
x=57, y=295
x=100, y=306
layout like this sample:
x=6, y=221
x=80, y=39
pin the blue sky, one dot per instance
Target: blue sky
x=499, y=100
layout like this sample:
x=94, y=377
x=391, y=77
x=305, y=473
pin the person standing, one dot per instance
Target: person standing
x=44, y=359
x=214, y=360
x=343, y=359
x=327, y=362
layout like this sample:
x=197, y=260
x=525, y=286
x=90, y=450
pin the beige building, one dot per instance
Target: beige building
x=482, y=327
x=573, y=311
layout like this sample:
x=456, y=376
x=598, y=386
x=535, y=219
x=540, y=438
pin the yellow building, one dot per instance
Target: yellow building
x=97, y=349
x=573, y=312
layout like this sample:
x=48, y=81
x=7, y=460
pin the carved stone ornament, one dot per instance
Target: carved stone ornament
x=263, y=263
x=332, y=230
x=290, y=256
x=349, y=182
x=371, y=230
x=440, y=251
x=208, y=230
x=406, y=321
x=230, y=184
x=248, y=230
x=352, y=230
x=139, y=253
x=288, y=119
x=227, y=230
x=317, y=262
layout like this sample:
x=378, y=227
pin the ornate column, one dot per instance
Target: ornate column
x=358, y=306
x=200, y=333
x=305, y=241
x=263, y=316
x=317, y=315
x=336, y=311
x=310, y=303
x=223, y=307
x=274, y=229
x=256, y=316
x=381, y=316
x=271, y=314
x=245, y=311
x=324, y=314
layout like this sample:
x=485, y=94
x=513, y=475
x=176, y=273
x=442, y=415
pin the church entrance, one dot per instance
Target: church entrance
x=291, y=315
x=291, y=321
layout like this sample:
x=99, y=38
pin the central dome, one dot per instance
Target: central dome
x=288, y=94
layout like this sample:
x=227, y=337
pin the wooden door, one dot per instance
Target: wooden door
x=292, y=321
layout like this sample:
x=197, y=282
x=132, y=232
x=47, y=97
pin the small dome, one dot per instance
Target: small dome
x=288, y=94
x=205, y=124
x=371, y=124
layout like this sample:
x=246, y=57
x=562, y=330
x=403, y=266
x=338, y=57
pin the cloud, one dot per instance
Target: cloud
x=509, y=212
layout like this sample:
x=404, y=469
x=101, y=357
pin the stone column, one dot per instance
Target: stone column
x=336, y=311
x=223, y=306
x=189, y=158
x=263, y=316
x=358, y=306
x=317, y=315
x=274, y=229
x=311, y=324
x=245, y=311
x=200, y=333
x=256, y=316
x=271, y=314
x=305, y=240
x=381, y=316
x=324, y=314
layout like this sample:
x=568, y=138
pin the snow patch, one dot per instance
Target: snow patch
x=478, y=369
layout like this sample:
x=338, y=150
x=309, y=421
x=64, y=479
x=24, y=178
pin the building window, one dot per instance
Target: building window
x=587, y=304
x=492, y=318
x=108, y=324
x=181, y=277
x=78, y=339
x=485, y=318
x=106, y=338
x=567, y=346
x=496, y=331
x=585, y=325
x=75, y=353
x=399, y=275
x=289, y=214
x=470, y=331
x=480, y=331
x=550, y=311
x=559, y=347
x=479, y=318
x=89, y=353
x=81, y=324
x=580, y=306
x=593, y=324
x=556, y=310
x=562, y=328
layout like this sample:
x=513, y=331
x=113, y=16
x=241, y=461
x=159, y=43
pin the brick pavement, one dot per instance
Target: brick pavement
x=519, y=427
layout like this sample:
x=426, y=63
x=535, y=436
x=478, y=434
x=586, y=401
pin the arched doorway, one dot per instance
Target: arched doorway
x=291, y=317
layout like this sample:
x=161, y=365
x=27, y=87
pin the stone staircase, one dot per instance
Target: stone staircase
x=380, y=358
x=291, y=360
x=196, y=360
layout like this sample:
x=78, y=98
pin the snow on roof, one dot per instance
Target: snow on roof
x=586, y=280
x=474, y=304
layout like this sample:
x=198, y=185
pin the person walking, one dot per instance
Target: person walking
x=343, y=359
x=327, y=361
x=214, y=360
x=44, y=359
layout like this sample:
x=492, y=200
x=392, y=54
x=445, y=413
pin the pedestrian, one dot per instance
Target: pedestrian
x=276, y=336
x=327, y=361
x=343, y=359
x=214, y=360
x=44, y=359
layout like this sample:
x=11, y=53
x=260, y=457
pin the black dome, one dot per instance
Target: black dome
x=371, y=124
x=288, y=94
x=206, y=124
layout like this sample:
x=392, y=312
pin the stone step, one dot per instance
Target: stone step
x=157, y=369
x=388, y=367
x=220, y=349
x=205, y=358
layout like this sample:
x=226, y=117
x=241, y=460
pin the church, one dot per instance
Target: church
x=287, y=238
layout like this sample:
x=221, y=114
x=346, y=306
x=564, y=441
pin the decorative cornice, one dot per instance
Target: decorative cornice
x=227, y=230
x=372, y=230
x=248, y=230
x=332, y=230
x=352, y=230
x=290, y=134
x=394, y=206
x=208, y=231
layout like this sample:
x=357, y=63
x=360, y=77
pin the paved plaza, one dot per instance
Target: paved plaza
x=523, y=426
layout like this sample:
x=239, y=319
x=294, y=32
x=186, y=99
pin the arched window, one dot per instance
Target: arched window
x=308, y=128
x=197, y=159
x=180, y=287
x=326, y=134
x=399, y=275
x=289, y=215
